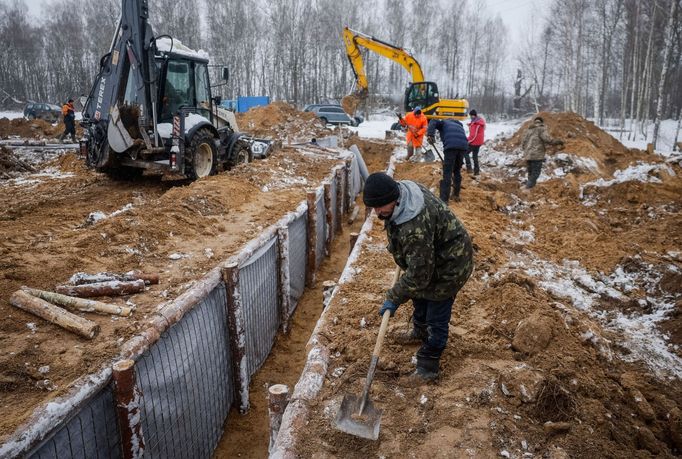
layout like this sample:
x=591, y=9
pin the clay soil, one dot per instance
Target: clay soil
x=526, y=372
x=177, y=229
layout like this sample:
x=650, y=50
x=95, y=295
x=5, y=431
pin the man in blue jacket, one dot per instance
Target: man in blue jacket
x=455, y=146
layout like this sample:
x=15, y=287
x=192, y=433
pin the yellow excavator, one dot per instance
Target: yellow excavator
x=419, y=93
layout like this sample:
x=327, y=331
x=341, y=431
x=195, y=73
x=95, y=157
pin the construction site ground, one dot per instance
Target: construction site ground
x=566, y=340
x=61, y=218
x=572, y=315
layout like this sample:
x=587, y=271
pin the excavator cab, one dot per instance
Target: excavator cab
x=423, y=94
x=186, y=84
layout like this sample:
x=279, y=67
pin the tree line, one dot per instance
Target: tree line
x=599, y=58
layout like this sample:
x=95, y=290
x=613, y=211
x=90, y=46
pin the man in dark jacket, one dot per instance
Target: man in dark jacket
x=69, y=114
x=455, y=146
x=434, y=251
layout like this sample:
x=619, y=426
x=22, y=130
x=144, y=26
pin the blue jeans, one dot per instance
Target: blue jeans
x=474, y=153
x=434, y=317
x=452, y=169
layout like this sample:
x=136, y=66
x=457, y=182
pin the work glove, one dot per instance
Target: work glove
x=431, y=139
x=388, y=306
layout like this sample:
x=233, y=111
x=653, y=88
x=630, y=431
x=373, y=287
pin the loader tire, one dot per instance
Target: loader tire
x=243, y=154
x=201, y=157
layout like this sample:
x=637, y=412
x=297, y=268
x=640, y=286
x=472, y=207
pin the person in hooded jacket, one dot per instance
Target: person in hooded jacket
x=416, y=123
x=435, y=253
x=454, y=147
x=476, y=138
x=69, y=114
x=533, y=144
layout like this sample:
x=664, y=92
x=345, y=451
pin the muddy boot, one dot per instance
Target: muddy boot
x=456, y=198
x=426, y=372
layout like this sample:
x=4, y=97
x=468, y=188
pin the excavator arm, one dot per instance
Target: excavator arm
x=354, y=40
x=127, y=75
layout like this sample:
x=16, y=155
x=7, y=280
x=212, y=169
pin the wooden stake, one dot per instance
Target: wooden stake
x=339, y=201
x=236, y=326
x=353, y=240
x=128, y=399
x=283, y=281
x=329, y=236
x=278, y=399
x=54, y=314
x=348, y=170
x=79, y=303
x=311, y=198
x=111, y=288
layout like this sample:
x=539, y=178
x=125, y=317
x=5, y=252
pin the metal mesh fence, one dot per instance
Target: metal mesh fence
x=91, y=433
x=186, y=377
x=186, y=382
x=298, y=246
x=258, y=286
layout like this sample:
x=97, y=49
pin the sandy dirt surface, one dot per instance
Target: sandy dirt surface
x=65, y=219
x=566, y=340
x=19, y=128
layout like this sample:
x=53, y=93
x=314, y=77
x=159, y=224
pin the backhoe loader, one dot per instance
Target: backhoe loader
x=151, y=108
x=419, y=93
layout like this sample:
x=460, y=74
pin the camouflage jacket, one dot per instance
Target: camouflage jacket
x=534, y=142
x=434, y=251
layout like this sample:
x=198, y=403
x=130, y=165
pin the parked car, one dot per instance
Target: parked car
x=43, y=111
x=330, y=114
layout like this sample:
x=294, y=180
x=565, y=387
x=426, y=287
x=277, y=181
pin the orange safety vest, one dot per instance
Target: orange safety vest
x=416, y=128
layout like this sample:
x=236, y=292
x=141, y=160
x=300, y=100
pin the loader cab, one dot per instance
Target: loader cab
x=422, y=94
x=184, y=83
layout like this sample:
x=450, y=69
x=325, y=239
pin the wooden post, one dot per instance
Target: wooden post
x=348, y=191
x=128, y=400
x=329, y=236
x=278, y=399
x=79, y=303
x=340, y=200
x=283, y=281
x=311, y=267
x=54, y=314
x=353, y=240
x=650, y=148
x=327, y=289
x=236, y=326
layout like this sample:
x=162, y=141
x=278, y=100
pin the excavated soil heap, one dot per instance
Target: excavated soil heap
x=281, y=121
x=527, y=371
x=581, y=137
x=33, y=129
x=10, y=164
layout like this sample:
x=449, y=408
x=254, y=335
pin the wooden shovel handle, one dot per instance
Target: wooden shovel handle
x=384, y=321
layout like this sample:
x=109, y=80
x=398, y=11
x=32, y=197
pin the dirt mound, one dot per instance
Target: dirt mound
x=583, y=138
x=281, y=121
x=350, y=104
x=29, y=129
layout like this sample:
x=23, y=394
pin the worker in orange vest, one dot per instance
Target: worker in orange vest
x=416, y=124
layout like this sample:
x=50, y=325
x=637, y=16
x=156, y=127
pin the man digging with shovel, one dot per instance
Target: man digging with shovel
x=433, y=250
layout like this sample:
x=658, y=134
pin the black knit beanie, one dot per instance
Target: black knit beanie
x=380, y=189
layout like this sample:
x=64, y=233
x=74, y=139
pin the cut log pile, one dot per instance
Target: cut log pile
x=46, y=304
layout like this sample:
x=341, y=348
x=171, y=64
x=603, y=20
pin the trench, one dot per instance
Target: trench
x=247, y=435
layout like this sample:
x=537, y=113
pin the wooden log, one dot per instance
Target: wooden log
x=283, y=281
x=79, y=303
x=236, y=326
x=54, y=314
x=650, y=148
x=311, y=198
x=111, y=288
x=278, y=399
x=340, y=198
x=128, y=399
x=84, y=278
x=348, y=171
x=329, y=236
x=353, y=240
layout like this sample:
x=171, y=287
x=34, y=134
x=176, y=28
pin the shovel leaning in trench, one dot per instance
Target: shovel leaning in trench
x=357, y=415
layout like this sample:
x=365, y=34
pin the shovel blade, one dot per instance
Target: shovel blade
x=365, y=425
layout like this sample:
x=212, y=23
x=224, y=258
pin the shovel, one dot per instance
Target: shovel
x=358, y=416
